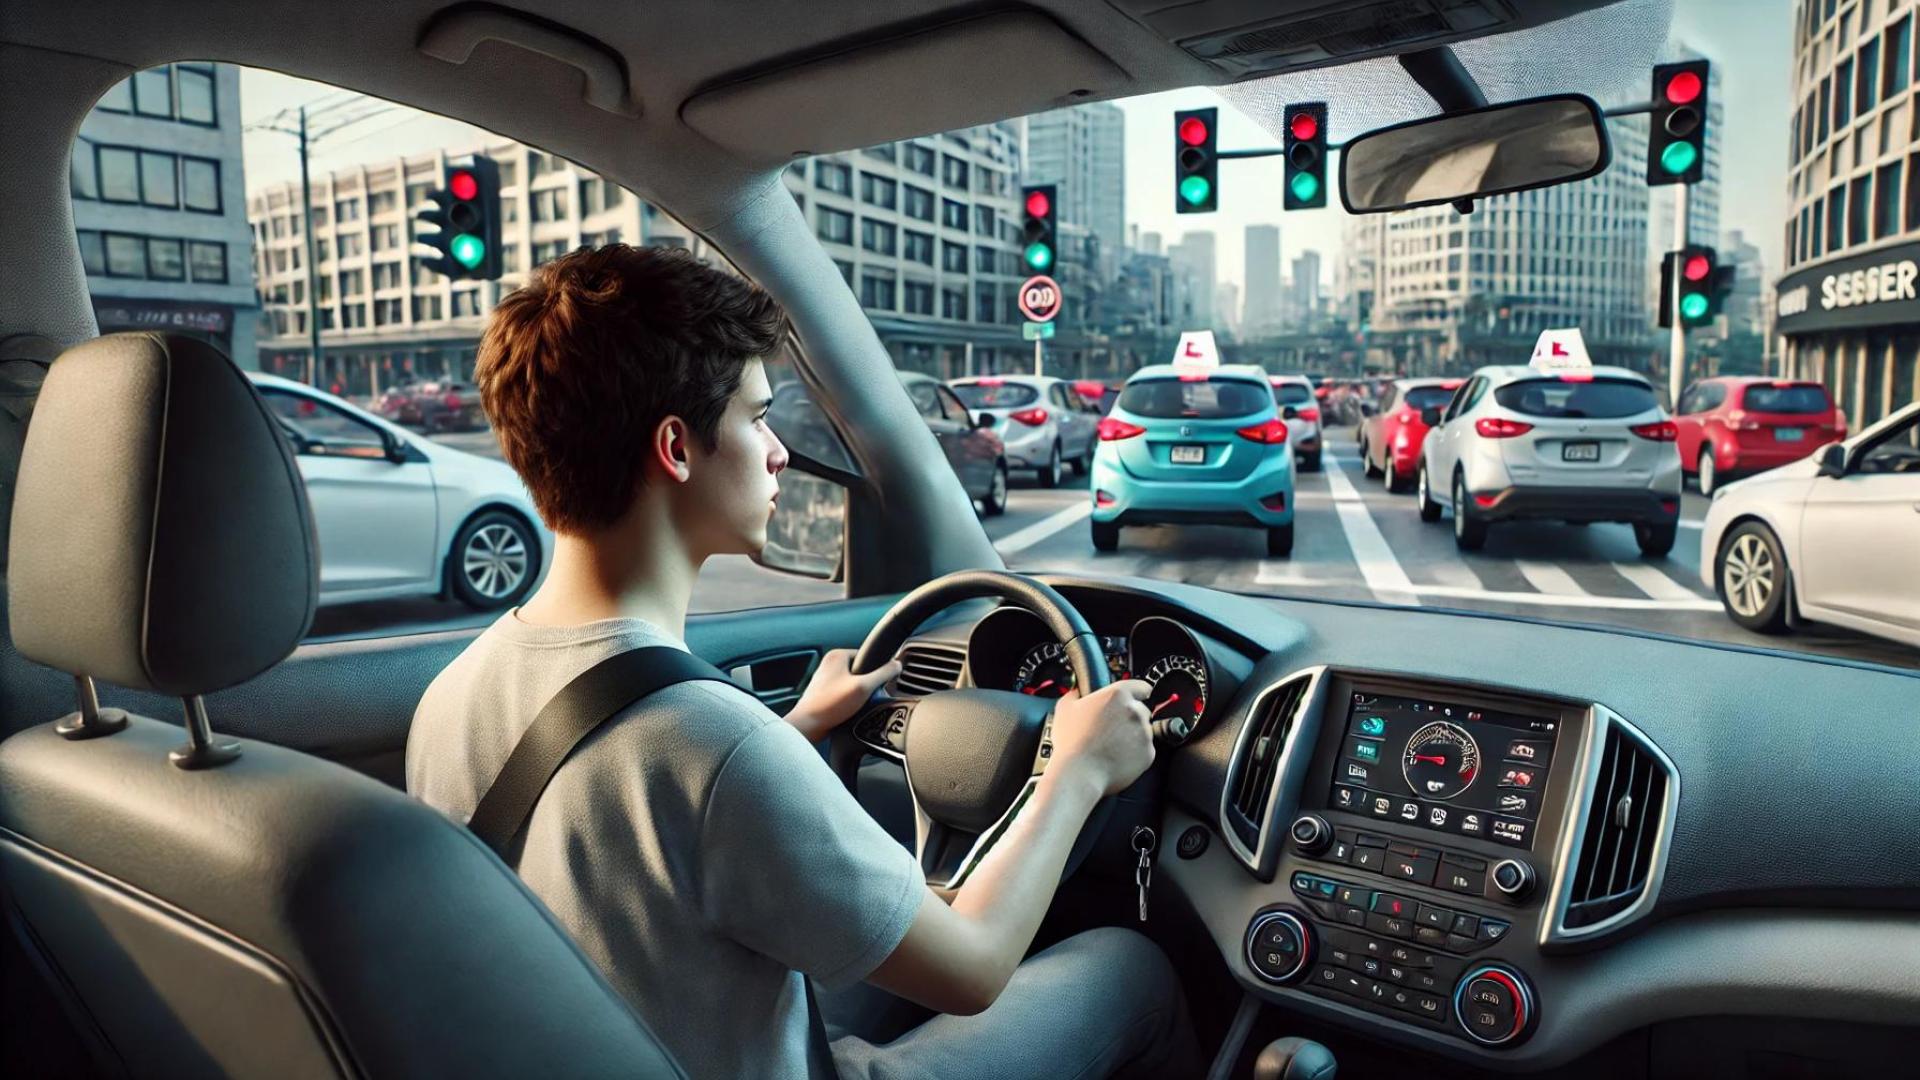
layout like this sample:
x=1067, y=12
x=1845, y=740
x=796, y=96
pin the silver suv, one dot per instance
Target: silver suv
x=1042, y=420
x=1519, y=444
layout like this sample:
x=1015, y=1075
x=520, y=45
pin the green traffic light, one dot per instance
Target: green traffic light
x=1195, y=190
x=1679, y=157
x=1693, y=305
x=1039, y=255
x=1304, y=186
x=468, y=250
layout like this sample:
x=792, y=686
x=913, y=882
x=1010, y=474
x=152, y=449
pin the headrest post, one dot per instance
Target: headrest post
x=201, y=752
x=91, y=721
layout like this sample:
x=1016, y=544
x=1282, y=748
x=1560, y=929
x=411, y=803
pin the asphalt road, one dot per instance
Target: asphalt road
x=1353, y=541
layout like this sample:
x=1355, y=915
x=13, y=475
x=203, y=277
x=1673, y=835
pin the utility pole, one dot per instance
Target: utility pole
x=1677, y=341
x=313, y=267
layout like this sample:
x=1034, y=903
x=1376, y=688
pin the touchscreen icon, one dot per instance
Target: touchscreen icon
x=1373, y=725
x=1437, y=816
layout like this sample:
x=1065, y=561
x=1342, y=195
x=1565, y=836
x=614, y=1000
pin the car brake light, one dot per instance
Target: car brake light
x=1658, y=431
x=1499, y=427
x=1738, y=420
x=1033, y=417
x=1104, y=498
x=1192, y=376
x=451, y=401
x=1485, y=501
x=990, y=382
x=1276, y=501
x=1576, y=376
x=1308, y=413
x=1269, y=432
x=1111, y=430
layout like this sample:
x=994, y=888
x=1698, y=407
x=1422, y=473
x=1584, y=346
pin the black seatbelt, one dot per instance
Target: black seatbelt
x=595, y=696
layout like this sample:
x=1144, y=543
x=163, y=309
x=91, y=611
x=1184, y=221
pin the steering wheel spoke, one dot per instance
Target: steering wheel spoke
x=948, y=854
x=882, y=727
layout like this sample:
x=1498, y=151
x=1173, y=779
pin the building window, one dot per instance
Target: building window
x=1814, y=233
x=1858, y=198
x=953, y=171
x=919, y=247
x=323, y=292
x=346, y=210
x=1837, y=218
x=919, y=203
x=119, y=173
x=353, y=316
x=353, y=282
x=126, y=256
x=1886, y=201
x=93, y=253
x=85, y=173
x=153, y=93
x=1913, y=192
x=846, y=270
x=601, y=239
x=953, y=214
x=159, y=180
x=466, y=303
x=386, y=312
x=985, y=303
x=983, y=220
x=1843, y=95
x=119, y=98
x=835, y=226
x=196, y=91
x=385, y=237
x=833, y=177
x=323, y=250
x=877, y=236
x=426, y=308
x=550, y=205
x=878, y=191
x=386, y=275
x=984, y=261
x=166, y=260
x=953, y=304
x=920, y=159
x=953, y=257
x=1899, y=58
x=597, y=195
x=547, y=252
x=884, y=151
x=351, y=245
x=919, y=298
x=876, y=291
x=1869, y=82
x=1826, y=110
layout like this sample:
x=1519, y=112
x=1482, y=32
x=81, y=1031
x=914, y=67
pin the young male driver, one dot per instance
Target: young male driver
x=697, y=846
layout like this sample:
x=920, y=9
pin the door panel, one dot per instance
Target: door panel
x=1860, y=534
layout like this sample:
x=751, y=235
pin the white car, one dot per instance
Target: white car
x=401, y=515
x=1834, y=537
x=1300, y=411
x=1042, y=421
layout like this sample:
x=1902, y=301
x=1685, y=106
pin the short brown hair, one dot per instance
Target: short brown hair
x=579, y=366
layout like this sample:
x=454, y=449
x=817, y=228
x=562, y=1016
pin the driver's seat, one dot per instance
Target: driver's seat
x=210, y=908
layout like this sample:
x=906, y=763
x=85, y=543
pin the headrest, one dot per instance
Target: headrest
x=161, y=535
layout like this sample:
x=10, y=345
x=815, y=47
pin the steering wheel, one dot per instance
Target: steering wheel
x=972, y=755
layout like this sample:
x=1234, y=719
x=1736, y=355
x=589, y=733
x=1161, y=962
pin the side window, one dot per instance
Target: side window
x=957, y=412
x=924, y=399
x=1712, y=396
x=1898, y=451
x=1387, y=403
x=1690, y=401
x=1476, y=390
x=1458, y=404
x=1057, y=396
x=322, y=430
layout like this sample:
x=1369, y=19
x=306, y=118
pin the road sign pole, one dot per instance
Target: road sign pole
x=1677, y=341
x=1036, y=357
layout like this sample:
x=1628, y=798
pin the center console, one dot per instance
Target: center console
x=1426, y=842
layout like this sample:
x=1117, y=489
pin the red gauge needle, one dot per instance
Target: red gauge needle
x=1436, y=759
x=1037, y=689
x=1171, y=698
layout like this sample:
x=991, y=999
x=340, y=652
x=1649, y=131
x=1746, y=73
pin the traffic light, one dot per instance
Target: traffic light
x=1196, y=165
x=1702, y=286
x=1677, y=129
x=466, y=220
x=1306, y=156
x=1040, y=236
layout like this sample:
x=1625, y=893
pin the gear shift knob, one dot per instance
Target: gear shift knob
x=1294, y=1059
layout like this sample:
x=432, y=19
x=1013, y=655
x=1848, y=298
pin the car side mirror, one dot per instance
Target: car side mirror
x=807, y=533
x=1430, y=416
x=1289, y=413
x=396, y=450
x=983, y=420
x=1368, y=408
x=1833, y=460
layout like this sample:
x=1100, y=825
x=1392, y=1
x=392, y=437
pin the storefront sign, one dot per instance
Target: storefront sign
x=1880, y=288
x=117, y=314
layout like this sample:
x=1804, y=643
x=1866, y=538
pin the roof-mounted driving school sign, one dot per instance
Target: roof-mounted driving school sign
x=1196, y=349
x=1560, y=352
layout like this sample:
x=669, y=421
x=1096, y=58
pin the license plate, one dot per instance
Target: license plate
x=1189, y=455
x=1788, y=434
x=1580, y=451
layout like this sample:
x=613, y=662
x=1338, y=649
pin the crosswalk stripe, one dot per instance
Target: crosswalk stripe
x=1654, y=583
x=1020, y=541
x=1378, y=565
x=1549, y=578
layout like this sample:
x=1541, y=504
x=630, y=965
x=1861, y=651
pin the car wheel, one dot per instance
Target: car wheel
x=1655, y=537
x=1311, y=463
x=1081, y=464
x=1280, y=541
x=1429, y=510
x=495, y=559
x=1469, y=534
x=1106, y=536
x=1050, y=473
x=1708, y=478
x=994, y=502
x=1396, y=485
x=1366, y=463
x=1752, y=579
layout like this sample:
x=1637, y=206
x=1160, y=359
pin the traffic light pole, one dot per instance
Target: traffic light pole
x=1677, y=342
x=313, y=269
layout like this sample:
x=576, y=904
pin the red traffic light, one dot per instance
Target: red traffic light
x=1038, y=205
x=463, y=185
x=1193, y=131
x=1683, y=87
x=1695, y=268
x=1304, y=126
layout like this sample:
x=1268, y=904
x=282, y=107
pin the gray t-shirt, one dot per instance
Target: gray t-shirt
x=696, y=846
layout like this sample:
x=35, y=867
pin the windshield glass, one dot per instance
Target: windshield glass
x=1600, y=399
x=1167, y=399
x=996, y=395
x=1804, y=400
x=1428, y=397
x=1293, y=393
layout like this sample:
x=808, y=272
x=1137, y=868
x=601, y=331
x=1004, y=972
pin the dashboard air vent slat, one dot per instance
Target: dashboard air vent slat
x=1623, y=822
x=927, y=669
x=1259, y=761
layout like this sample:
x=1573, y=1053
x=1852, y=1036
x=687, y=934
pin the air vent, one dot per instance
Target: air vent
x=1622, y=832
x=1258, y=759
x=928, y=669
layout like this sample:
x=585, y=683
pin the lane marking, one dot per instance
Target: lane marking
x=1582, y=600
x=1378, y=564
x=1549, y=578
x=1653, y=582
x=1025, y=538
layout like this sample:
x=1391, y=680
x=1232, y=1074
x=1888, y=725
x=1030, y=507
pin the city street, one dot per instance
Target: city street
x=1353, y=541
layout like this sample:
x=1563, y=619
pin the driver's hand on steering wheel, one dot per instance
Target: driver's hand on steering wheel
x=1105, y=735
x=835, y=693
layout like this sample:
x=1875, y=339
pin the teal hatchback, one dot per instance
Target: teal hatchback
x=1194, y=446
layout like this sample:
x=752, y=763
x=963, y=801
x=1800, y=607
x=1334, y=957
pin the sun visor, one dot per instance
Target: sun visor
x=943, y=77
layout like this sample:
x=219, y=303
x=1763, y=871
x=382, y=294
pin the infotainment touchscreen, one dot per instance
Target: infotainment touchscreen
x=1452, y=768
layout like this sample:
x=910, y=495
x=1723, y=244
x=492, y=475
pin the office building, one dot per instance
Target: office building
x=1304, y=289
x=159, y=203
x=1194, y=257
x=1847, y=309
x=1263, y=300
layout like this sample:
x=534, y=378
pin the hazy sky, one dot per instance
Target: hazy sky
x=1749, y=41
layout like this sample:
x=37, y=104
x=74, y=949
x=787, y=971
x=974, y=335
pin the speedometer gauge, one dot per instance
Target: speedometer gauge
x=1441, y=761
x=1044, y=671
x=1179, y=692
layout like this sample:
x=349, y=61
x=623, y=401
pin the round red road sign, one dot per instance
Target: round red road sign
x=1040, y=298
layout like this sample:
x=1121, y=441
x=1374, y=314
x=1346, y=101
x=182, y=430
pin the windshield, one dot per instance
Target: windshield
x=1804, y=400
x=1293, y=394
x=1428, y=397
x=1167, y=399
x=996, y=395
x=1599, y=399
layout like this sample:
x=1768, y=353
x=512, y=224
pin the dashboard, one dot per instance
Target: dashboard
x=1516, y=841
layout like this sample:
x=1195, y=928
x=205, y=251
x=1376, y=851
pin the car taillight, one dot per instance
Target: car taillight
x=1268, y=432
x=1658, y=431
x=1104, y=498
x=1111, y=430
x=1309, y=413
x=1033, y=417
x=1738, y=420
x=451, y=401
x=1499, y=427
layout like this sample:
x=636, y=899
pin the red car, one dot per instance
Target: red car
x=1733, y=426
x=1391, y=436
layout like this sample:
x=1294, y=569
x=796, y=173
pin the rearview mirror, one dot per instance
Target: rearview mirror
x=1515, y=146
x=1430, y=416
x=1833, y=460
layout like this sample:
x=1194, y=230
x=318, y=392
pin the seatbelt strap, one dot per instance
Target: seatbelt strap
x=595, y=696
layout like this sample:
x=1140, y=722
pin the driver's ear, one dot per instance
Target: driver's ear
x=671, y=448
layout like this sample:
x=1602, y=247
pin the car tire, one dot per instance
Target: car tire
x=1049, y=474
x=1106, y=536
x=1708, y=472
x=1367, y=466
x=1469, y=533
x=1752, y=579
x=994, y=502
x=1311, y=463
x=1280, y=541
x=1429, y=510
x=1655, y=537
x=1395, y=484
x=1081, y=464
x=494, y=560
